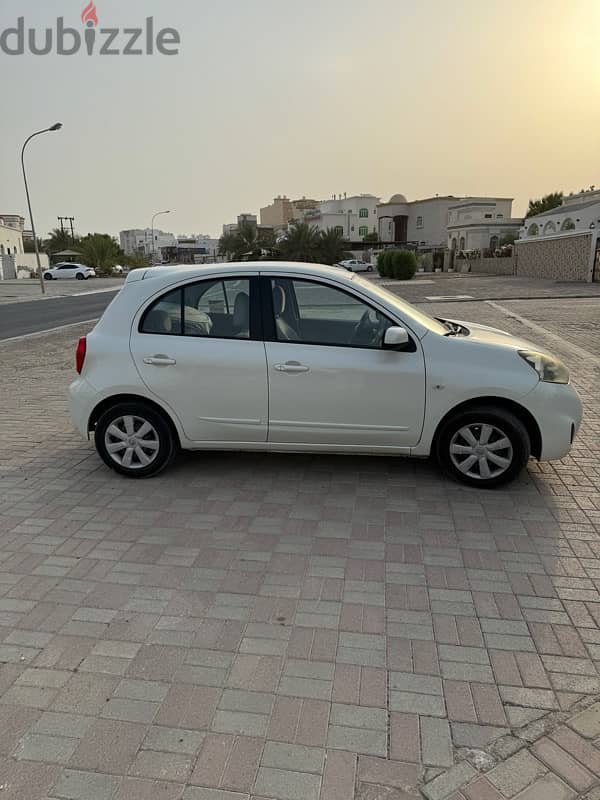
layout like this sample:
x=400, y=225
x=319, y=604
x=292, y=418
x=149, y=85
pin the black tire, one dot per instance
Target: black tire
x=369, y=269
x=163, y=436
x=79, y=276
x=505, y=425
x=48, y=276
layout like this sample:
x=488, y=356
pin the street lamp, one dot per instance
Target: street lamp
x=153, y=218
x=56, y=127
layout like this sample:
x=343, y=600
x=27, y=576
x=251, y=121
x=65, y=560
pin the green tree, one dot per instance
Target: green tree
x=228, y=245
x=101, y=251
x=333, y=247
x=301, y=243
x=545, y=203
x=371, y=238
x=508, y=238
x=59, y=240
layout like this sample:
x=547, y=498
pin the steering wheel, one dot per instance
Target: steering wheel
x=367, y=329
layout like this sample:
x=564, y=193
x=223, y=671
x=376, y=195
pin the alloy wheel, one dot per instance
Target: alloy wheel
x=131, y=441
x=481, y=451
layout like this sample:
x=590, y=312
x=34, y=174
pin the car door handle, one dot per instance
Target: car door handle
x=291, y=366
x=159, y=361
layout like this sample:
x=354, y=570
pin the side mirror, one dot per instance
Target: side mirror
x=395, y=338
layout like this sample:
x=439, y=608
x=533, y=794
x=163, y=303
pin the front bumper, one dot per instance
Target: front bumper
x=558, y=412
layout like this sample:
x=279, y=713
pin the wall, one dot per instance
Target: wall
x=28, y=262
x=567, y=257
x=487, y=266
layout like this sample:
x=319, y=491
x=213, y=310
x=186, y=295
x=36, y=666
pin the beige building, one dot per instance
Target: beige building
x=282, y=211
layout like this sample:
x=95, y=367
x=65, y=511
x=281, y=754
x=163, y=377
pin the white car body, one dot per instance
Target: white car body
x=259, y=393
x=66, y=270
x=355, y=265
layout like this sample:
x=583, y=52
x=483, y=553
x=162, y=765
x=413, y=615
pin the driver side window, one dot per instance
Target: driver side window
x=316, y=313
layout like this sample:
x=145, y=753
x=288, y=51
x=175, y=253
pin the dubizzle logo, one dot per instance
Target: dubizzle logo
x=65, y=41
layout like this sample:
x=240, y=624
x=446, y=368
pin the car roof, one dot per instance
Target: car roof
x=199, y=271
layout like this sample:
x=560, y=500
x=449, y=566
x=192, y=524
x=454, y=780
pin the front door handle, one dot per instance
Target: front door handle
x=291, y=366
x=159, y=361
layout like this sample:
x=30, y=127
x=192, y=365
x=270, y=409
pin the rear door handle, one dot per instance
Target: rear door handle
x=291, y=366
x=159, y=361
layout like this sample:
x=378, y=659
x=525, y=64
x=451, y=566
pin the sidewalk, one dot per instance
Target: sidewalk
x=252, y=627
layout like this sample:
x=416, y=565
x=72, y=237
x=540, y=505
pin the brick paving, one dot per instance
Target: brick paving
x=294, y=627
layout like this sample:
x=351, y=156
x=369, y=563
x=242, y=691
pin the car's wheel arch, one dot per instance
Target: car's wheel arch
x=522, y=414
x=117, y=399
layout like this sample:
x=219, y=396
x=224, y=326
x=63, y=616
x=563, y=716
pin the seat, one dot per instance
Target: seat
x=285, y=332
x=158, y=321
x=241, y=316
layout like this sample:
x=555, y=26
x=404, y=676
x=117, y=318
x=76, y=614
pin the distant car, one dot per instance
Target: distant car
x=354, y=265
x=69, y=270
x=269, y=356
x=117, y=269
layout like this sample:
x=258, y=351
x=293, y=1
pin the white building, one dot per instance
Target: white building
x=480, y=223
x=11, y=234
x=139, y=241
x=578, y=212
x=474, y=222
x=354, y=216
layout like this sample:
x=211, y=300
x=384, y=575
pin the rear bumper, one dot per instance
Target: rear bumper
x=558, y=411
x=82, y=400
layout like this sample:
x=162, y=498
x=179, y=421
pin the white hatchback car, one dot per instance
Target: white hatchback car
x=305, y=358
x=67, y=269
x=355, y=265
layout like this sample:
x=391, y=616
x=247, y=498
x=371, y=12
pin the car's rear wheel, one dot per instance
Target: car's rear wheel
x=134, y=439
x=484, y=447
x=79, y=276
x=48, y=276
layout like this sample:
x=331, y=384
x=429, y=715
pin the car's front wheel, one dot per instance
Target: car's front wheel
x=134, y=439
x=484, y=447
x=48, y=276
x=370, y=268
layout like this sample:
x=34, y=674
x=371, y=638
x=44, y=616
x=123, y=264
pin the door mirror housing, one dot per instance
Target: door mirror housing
x=396, y=338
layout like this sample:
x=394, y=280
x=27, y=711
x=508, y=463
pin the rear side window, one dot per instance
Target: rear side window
x=216, y=309
x=164, y=316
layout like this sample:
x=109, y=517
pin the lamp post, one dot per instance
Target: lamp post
x=56, y=127
x=153, y=218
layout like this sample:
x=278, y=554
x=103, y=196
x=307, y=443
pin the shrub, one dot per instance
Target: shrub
x=383, y=263
x=403, y=264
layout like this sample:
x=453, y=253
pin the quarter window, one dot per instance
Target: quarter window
x=218, y=309
x=314, y=313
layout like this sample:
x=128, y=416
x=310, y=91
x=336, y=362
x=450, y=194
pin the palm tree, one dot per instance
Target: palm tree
x=58, y=240
x=301, y=243
x=333, y=247
x=248, y=242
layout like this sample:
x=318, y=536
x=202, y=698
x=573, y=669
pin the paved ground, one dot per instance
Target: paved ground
x=20, y=291
x=294, y=627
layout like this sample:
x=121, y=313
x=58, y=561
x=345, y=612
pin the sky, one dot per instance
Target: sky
x=309, y=98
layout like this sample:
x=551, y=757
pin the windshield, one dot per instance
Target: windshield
x=403, y=307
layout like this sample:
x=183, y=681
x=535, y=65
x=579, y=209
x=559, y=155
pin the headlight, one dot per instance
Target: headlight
x=550, y=370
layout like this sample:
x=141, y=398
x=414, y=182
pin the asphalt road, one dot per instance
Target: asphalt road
x=17, y=319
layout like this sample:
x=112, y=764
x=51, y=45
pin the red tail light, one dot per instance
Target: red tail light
x=80, y=354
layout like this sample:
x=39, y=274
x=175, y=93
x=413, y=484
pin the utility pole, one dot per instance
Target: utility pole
x=69, y=220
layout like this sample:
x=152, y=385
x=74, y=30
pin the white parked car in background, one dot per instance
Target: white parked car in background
x=67, y=269
x=304, y=358
x=355, y=265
